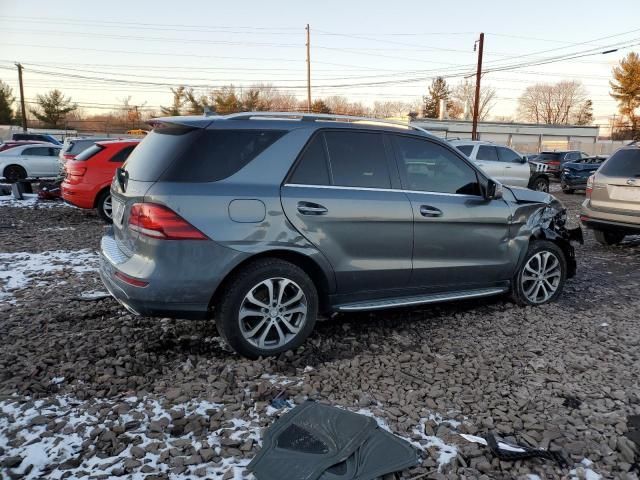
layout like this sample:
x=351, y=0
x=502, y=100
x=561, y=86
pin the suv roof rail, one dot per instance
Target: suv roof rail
x=320, y=117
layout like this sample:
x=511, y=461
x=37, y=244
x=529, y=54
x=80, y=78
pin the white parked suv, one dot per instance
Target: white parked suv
x=504, y=164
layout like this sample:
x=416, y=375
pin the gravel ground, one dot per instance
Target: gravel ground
x=86, y=389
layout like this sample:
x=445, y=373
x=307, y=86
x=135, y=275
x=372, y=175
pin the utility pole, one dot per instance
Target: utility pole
x=476, y=109
x=24, y=110
x=308, y=69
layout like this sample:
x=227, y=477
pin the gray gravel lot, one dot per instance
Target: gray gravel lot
x=86, y=389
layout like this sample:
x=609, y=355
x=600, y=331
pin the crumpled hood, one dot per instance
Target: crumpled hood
x=524, y=195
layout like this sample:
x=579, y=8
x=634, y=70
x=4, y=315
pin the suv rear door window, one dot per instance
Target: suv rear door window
x=312, y=168
x=623, y=163
x=466, y=149
x=210, y=156
x=358, y=159
x=428, y=167
x=507, y=155
x=488, y=153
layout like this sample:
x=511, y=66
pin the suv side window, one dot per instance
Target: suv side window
x=508, y=155
x=123, y=154
x=428, y=167
x=312, y=168
x=572, y=156
x=488, y=153
x=357, y=159
x=466, y=149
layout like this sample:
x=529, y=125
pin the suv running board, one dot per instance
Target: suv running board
x=419, y=299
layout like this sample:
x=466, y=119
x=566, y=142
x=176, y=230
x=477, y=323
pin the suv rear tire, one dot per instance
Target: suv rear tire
x=268, y=307
x=541, y=276
x=540, y=184
x=605, y=237
x=103, y=205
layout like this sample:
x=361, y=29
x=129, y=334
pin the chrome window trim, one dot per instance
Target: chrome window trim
x=371, y=189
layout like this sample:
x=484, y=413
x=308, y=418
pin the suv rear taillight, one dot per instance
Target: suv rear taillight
x=589, y=186
x=158, y=221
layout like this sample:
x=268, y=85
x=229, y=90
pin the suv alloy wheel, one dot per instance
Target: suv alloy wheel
x=270, y=306
x=541, y=277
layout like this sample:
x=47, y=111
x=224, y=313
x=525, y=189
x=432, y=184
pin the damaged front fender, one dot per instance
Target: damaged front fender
x=539, y=216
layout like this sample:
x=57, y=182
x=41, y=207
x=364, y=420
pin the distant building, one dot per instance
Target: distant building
x=524, y=137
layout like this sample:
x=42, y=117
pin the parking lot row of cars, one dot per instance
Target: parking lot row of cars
x=265, y=225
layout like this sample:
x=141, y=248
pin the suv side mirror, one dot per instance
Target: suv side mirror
x=494, y=190
x=524, y=159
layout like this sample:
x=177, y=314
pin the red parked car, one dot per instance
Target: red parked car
x=16, y=143
x=88, y=176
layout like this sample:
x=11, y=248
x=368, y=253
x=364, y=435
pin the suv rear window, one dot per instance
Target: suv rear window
x=548, y=156
x=89, y=152
x=623, y=163
x=186, y=154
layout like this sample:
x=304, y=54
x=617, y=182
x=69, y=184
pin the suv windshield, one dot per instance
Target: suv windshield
x=623, y=163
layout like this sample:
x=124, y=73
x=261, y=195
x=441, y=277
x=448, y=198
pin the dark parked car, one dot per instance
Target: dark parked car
x=16, y=143
x=263, y=221
x=41, y=137
x=556, y=159
x=575, y=174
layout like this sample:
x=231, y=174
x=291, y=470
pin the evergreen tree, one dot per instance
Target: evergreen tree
x=175, y=108
x=53, y=108
x=6, y=100
x=439, y=90
x=625, y=88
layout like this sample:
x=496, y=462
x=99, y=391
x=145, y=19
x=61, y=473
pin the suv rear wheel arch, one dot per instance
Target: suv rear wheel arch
x=324, y=285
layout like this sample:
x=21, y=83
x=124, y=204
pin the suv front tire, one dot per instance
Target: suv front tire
x=269, y=307
x=541, y=276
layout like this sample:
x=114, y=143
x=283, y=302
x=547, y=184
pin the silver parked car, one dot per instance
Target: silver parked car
x=30, y=161
x=505, y=164
x=263, y=221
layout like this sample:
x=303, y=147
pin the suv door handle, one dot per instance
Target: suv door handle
x=310, y=208
x=429, y=211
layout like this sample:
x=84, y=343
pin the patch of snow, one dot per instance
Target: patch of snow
x=474, y=439
x=57, y=229
x=30, y=200
x=446, y=452
x=586, y=472
x=605, y=324
x=42, y=447
x=93, y=294
x=57, y=380
x=18, y=270
x=533, y=476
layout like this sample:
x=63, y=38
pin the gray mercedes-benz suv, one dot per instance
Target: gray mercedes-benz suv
x=263, y=221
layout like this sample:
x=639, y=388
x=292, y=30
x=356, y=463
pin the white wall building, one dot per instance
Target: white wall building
x=524, y=137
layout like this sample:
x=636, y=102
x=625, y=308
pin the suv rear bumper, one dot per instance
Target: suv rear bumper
x=172, y=290
x=607, y=221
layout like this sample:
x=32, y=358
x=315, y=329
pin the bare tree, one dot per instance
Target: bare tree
x=556, y=104
x=342, y=106
x=390, y=109
x=463, y=98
